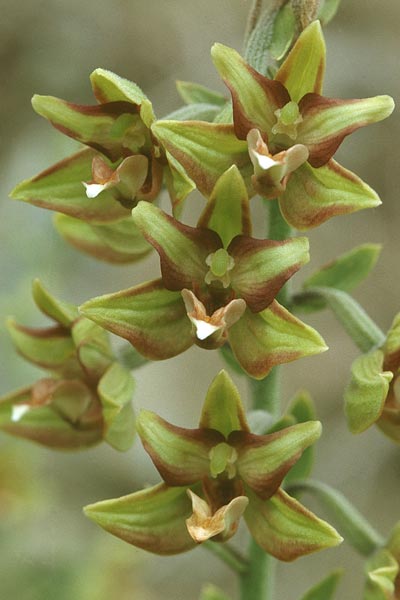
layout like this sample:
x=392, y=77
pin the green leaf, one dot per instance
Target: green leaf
x=313, y=196
x=118, y=243
x=272, y=337
x=258, y=44
x=303, y=70
x=227, y=211
x=355, y=529
x=382, y=571
x=198, y=112
x=366, y=393
x=152, y=519
x=325, y=590
x=60, y=188
x=286, y=529
x=205, y=150
x=359, y=326
x=283, y=32
x=302, y=409
x=345, y=272
x=152, y=318
x=223, y=409
x=61, y=312
x=328, y=10
x=115, y=391
x=195, y=93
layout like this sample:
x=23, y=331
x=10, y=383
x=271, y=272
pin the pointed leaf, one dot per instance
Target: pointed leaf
x=60, y=188
x=115, y=392
x=366, y=393
x=183, y=250
x=227, y=211
x=304, y=69
x=223, y=409
x=348, y=270
x=194, y=93
x=286, y=529
x=119, y=242
x=328, y=10
x=180, y=455
x=327, y=121
x=382, y=571
x=313, y=196
x=255, y=97
x=152, y=519
x=259, y=41
x=109, y=87
x=262, y=267
x=49, y=348
x=264, y=460
x=325, y=590
x=205, y=150
x=272, y=337
x=283, y=33
x=199, y=112
x=355, y=528
x=61, y=312
x=152, y=318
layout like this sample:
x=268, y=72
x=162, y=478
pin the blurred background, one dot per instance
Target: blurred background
x=48, y=549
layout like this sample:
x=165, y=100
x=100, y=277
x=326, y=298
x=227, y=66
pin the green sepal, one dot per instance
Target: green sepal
x=344, y=273
x=327, y=121
x=211, y=592
x=286, y=529
x=152, y=519
x=180, y=455
x=265, y=460
x=325, y=590
x=272, y=337
x=115, y=391
x=205, y=150
x=356, y=322
x=391, y=347
x=328, y=10
x=393, y=543
x=62, y=312
x=227, y=211
x=313, y=196
x=382, y=570
x=194, y=112
x=119, y=242
x=150, y=317
x=255, y=98
x=354, y=527
x=183, y=250
x=44, y=425
x=93, y=348
x=109, y=87
x=178, y=183
x=366, y=393
x=302, y=409
x=304, y=69
x=223, y=409
x=195, y=93
x=49, y=348
x=60, y=188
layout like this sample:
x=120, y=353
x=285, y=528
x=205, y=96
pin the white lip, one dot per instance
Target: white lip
x=18, y=411
x=203, y=329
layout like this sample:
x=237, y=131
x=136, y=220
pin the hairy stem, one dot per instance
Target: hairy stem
x=253, y=17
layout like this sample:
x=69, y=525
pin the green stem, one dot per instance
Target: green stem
x=265, y=393
x=258, y=581
x=227, y=554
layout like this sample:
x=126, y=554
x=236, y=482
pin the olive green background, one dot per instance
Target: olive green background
x=48, y=550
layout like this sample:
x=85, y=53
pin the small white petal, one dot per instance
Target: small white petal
x=204, y=329
x=265, y=162
x=18, y=411
x=94, y=189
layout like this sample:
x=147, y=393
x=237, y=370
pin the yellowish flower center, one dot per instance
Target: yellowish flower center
x=222, y=460
x=288, y=118
x=220, y=263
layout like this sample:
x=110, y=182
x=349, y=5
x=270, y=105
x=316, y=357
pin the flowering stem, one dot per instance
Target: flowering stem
x=227, y=554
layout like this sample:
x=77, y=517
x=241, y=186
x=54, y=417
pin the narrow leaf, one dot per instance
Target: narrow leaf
x=61, y=312
x=198, y=112
x=195, y=93
x=328, y=10
x=325, y=590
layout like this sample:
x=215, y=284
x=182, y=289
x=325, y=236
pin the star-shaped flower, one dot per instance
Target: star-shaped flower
x=289, y=130
x=218, y=284
x=212, y=476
